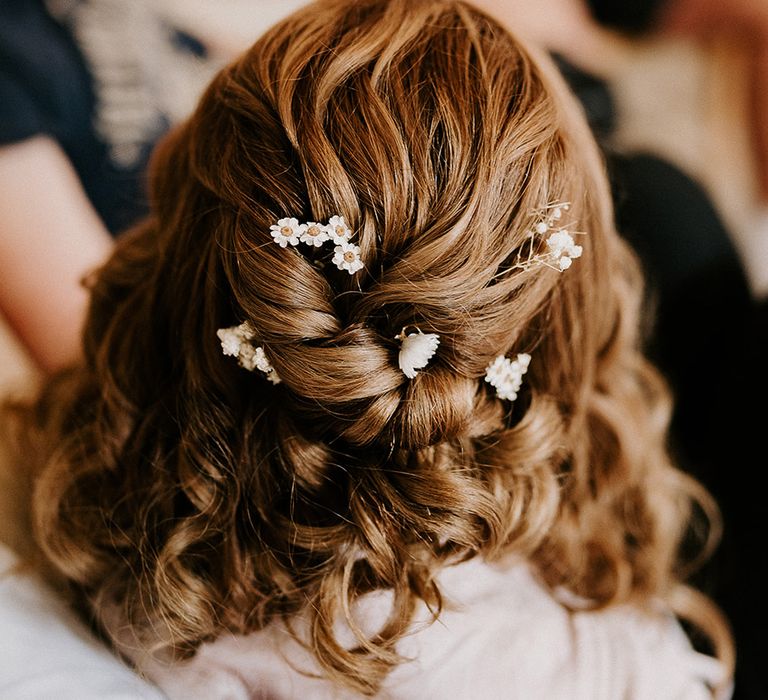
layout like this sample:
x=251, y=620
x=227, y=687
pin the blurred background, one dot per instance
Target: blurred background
x=676, y=92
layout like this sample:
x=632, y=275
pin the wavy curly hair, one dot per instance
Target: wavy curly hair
x=200, y=498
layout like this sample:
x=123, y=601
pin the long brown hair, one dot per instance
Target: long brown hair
x=200, y=498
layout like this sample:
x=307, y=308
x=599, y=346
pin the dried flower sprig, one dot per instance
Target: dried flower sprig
x=560, y=248
x=506, y=376
x=236, y=342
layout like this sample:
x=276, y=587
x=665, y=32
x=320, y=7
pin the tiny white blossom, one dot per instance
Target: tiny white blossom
x=252, y=358
x=264, y=365
x=338, y=230
x=313, y=234
x=542, y=227
x=506, y=376
x=286, y=231
x=347, y=257
x=246, y=357
x=563, y=249
x=561, y=243
x=230, y=341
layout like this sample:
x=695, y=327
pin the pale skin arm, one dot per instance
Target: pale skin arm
x=50, y=237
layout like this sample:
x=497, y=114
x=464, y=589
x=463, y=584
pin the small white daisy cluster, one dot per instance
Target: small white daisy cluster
x=236, y=342
x=346, y=255
x=506, y=376
x=561, y=249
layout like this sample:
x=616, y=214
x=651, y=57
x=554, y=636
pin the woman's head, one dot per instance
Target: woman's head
x=191, y=491
x=436, y=137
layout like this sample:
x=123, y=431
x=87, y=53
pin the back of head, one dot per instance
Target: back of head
x=186, y=489
x=436, y=137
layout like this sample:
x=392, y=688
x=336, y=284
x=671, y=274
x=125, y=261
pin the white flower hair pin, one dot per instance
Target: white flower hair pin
x=416, y=350
x=236, y=342
x=289, y=231
x=561, y=249
x=506, y=376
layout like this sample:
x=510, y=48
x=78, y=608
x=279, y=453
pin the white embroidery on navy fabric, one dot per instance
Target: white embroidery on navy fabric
x=141, y=77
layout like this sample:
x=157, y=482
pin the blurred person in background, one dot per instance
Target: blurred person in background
x=711, y=330
x=86, y=89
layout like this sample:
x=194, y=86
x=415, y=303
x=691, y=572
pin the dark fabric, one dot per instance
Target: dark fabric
x=629, y=15
x=594, y=96
x=46, y=88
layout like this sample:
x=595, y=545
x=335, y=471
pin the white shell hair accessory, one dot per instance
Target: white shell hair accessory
x=416, y=350
x=506, y=376
x=236, y=342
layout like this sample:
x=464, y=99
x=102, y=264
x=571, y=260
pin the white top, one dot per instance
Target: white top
x=47, y=654
x=503, y=636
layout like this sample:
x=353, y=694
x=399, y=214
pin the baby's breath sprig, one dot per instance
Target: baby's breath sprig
x=561, y=249
x=236, y=342
x=506, y=376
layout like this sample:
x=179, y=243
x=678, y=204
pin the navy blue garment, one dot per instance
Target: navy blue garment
x=47, y=87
